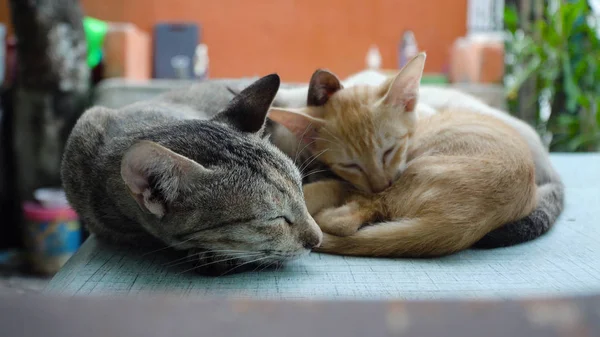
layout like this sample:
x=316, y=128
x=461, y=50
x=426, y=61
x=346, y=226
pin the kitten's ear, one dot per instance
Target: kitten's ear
x=247, y=111
x=404, y=88
x=303, y=123
x=322, y=85
x=156, y=176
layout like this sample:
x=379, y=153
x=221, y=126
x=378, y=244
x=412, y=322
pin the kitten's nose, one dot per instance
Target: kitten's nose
x=381, y=185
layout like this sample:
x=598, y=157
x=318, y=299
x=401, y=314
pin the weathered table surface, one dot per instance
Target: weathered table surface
x=164, y=316
x=563, y=262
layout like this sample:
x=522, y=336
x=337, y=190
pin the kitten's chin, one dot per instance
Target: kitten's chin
x=400, y=170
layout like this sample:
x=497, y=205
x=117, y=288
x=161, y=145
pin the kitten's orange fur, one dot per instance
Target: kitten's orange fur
x=455, y=176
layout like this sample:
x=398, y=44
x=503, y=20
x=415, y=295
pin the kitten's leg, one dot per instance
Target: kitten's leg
x=347, y=219
x=324, y=194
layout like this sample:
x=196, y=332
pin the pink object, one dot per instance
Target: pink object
x=36, y=212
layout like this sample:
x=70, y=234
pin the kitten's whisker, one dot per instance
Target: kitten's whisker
x=329, y=141
x=309, y=160
x=313, y=172
x=300, y=141
x=305, y=166
x=332, y=135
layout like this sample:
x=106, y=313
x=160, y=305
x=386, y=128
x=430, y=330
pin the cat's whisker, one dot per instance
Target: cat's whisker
x=245, y=263
x=267, y=266
x=167, y=247
x=258, y=266
x=218, y=261
x=185, y=258
x=190, y=257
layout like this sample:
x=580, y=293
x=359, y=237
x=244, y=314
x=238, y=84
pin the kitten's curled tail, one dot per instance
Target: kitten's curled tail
x=549, y=206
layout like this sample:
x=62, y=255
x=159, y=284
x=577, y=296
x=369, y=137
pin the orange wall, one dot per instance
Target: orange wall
x=294, y=37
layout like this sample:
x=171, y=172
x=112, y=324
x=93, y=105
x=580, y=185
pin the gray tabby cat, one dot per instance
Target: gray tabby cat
x=161, y=172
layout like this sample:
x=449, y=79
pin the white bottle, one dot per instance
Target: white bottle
x=373, y=58
x=201, y=61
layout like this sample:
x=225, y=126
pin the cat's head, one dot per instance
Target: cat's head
x=219, y=188
x=361, y=132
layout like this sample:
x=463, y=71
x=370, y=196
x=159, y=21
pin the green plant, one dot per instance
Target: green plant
x=561, y=53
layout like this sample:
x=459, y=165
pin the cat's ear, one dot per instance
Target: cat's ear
x=322, y=85
x=403, y=91
x=303, y=123
x=247, y=111
x=156, y=176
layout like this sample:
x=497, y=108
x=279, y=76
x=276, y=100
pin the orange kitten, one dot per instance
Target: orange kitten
x=416, y=188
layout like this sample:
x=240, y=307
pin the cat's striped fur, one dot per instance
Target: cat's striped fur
x=161, y=173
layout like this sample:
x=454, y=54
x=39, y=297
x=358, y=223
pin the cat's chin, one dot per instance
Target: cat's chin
x=234, y=267
x=211, y=264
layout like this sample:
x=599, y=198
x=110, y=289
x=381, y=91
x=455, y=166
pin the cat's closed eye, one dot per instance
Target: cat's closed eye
x=284, y=218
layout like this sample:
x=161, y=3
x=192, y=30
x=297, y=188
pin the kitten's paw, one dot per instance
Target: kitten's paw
x=340, y=221
x=322, y=195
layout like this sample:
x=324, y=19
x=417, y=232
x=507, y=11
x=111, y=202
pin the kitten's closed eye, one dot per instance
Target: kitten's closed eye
x=351, y=166
x=387, y=154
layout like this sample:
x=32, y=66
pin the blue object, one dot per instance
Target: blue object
x=174, y=48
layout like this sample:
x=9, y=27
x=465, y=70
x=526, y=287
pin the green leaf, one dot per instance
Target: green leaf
x=511, y=18
x=583, y=141
x=597, y=111
x=570, y=86
x=532, y=67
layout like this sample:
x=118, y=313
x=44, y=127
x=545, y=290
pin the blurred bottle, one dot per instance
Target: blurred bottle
x=373, y=58
x=180, y=64
x=201, y=62
x=408, y=48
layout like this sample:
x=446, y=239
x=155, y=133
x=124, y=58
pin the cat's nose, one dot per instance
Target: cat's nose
x=313, y=242
x=312, y=239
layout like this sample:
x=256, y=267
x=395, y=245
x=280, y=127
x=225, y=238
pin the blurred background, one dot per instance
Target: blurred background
x=537, y=59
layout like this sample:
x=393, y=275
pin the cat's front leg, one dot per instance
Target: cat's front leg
x=346, y=219
x=324, y=194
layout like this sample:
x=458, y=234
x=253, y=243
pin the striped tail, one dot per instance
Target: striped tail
x=549, y=208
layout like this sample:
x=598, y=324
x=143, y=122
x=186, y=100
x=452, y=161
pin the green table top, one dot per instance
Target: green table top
x=563, y=262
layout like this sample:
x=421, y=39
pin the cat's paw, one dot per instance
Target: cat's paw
x=340, y=221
